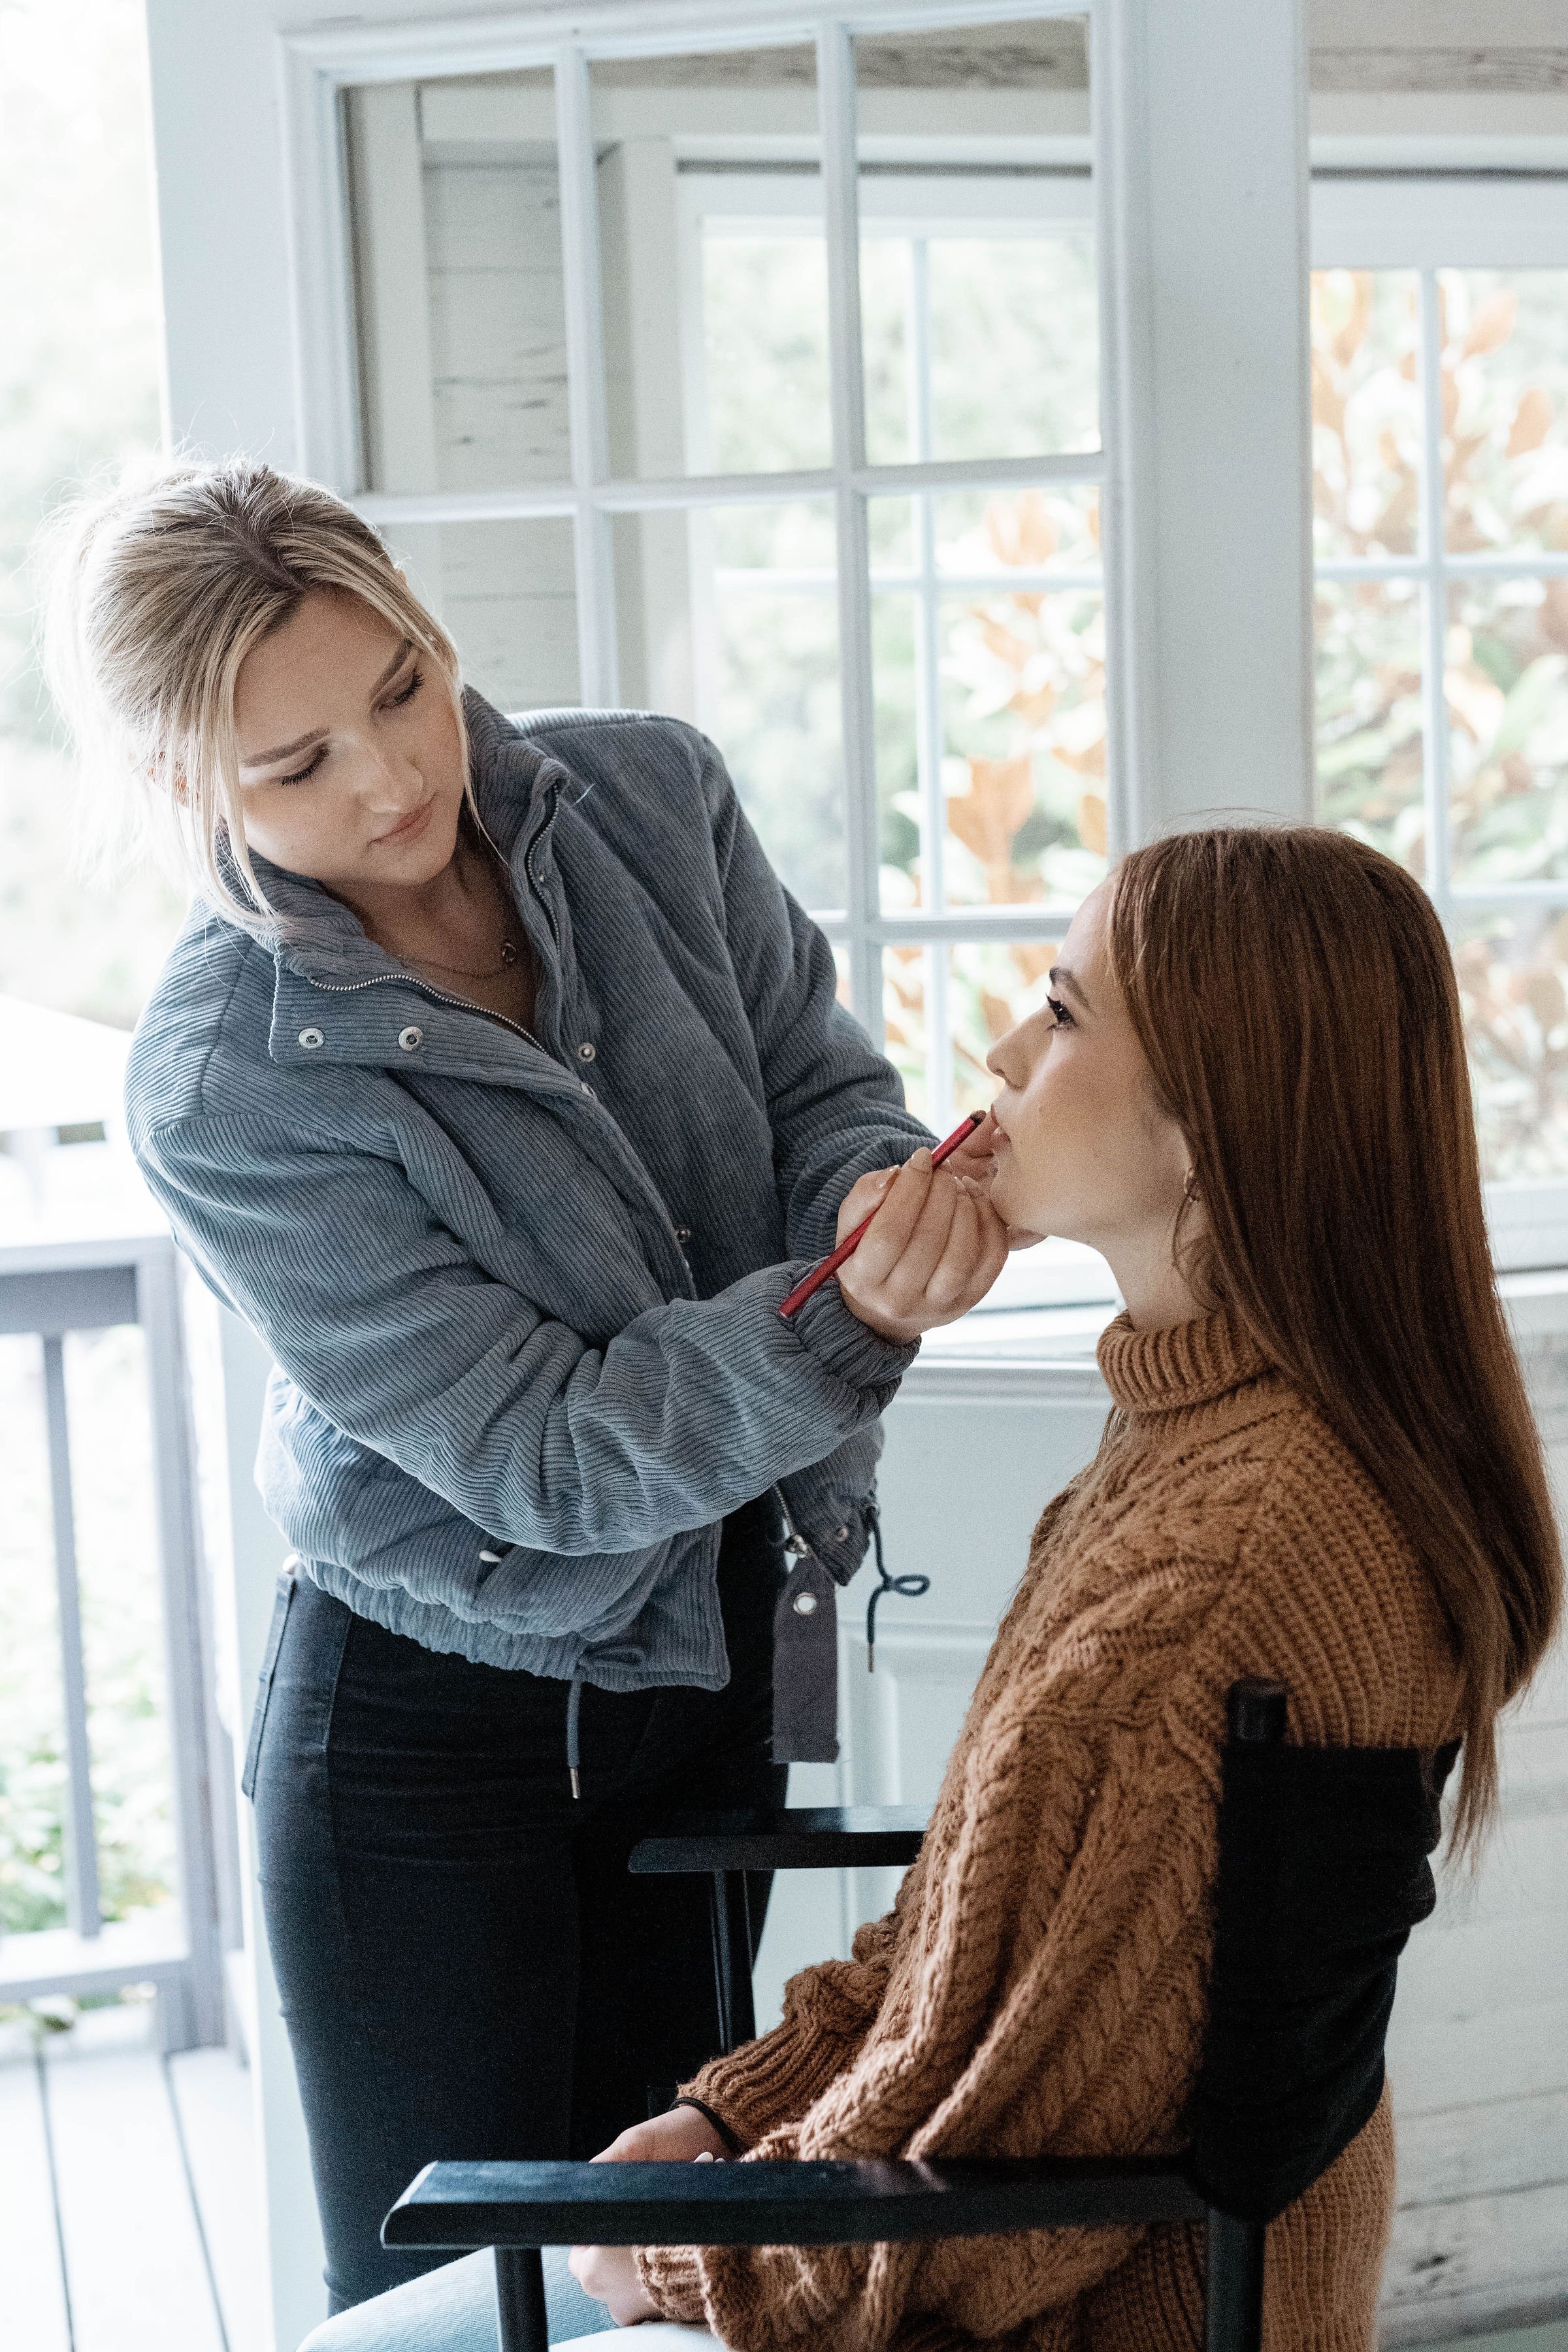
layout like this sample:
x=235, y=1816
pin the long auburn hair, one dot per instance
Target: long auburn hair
x=1294, y=996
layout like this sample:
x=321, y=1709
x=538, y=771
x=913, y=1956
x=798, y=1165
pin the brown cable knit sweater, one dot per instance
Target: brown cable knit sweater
x=1038, y=1986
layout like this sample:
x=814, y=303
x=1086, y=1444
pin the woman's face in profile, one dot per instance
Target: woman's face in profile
x=1083, y=1149
x=350, y=760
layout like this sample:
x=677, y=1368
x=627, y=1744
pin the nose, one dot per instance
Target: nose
x=389, y=786
x=1002, y=1058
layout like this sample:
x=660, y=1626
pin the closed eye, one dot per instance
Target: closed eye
x=303, y=775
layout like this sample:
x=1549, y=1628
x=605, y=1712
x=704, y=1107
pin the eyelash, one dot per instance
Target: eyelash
x=397, y=702
x=1059, y=1012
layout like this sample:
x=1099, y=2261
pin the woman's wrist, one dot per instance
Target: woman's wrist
x=732, y=2141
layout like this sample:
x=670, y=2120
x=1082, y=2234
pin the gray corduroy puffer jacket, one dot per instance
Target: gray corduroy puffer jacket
x=522, y=1295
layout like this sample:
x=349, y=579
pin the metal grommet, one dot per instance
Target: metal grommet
x=411, y=1038
x=842, y=1535
x=804, y=1604
x=311, y=1039
x=683, y=1233
x=587, y=1052
x=587, y=1089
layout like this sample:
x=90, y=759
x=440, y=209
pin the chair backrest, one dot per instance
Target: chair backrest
x=1324, y=1871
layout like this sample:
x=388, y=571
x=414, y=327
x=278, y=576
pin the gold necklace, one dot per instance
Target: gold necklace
x=510, y=948
x=509, y=954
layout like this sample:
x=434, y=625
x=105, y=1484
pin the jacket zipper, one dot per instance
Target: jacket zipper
x=462, y=1003
x=465, y=1003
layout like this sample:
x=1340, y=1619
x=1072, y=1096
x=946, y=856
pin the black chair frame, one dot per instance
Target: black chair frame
x=518, y=2208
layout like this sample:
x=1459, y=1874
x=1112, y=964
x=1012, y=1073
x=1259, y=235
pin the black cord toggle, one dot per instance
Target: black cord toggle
x=912, y=1587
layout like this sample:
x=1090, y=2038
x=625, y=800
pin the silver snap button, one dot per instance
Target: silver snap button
x=804, y=1604
x=311, y=1039
x=683, y=1233
x=411, y=1039
x=586, y=1051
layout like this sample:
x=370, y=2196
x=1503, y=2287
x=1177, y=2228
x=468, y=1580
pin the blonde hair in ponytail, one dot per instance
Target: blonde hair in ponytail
x=157, y=591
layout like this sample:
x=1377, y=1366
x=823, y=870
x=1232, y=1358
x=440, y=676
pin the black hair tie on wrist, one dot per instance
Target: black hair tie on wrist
x=912, y=1587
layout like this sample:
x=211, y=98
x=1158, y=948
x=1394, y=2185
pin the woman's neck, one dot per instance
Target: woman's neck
x=456, y=910
x=1156, y=1292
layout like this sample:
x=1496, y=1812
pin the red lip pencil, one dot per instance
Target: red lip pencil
x=819, y=1273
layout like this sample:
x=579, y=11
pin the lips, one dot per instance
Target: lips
x=407, y=828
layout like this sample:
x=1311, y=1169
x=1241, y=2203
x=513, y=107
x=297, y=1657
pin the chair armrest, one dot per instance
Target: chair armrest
x=781, y=2204
x=793, y=1837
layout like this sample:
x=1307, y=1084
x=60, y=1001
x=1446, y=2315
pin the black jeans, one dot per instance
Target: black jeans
x=467, y=1968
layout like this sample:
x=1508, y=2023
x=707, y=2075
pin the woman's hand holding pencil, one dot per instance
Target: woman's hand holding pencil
x=933, y=1245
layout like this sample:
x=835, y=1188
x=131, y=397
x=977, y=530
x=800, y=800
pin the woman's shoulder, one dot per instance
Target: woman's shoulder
x=1331, y=1598
x=209, y=1015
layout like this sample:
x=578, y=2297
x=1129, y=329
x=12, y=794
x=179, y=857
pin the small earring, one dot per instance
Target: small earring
x=1190, y=1189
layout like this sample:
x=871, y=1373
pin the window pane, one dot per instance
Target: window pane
x=974, y=241
x=456, y=208
x=1505, y=406
x=990, y=700
x=1513, y=983
x=506, y=593
x=764, y=635
x=990, y=990
x=1366, y=412
x=1506, y=680
x=715, y=271
x=904, y=1018
x=1370, y=731
x=991, y=703
x=945, y=1007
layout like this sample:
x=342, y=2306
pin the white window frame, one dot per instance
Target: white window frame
x=591, y=496
x=912, y=208
x=1424, y=220
x=1168, y=739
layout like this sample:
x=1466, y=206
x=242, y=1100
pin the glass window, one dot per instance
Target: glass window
x=1440, y=492
x=903, y=654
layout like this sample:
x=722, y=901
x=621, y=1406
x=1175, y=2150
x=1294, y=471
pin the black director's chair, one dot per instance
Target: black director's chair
x=1324, y=1871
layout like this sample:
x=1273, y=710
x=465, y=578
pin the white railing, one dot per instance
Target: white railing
x=50, y=1290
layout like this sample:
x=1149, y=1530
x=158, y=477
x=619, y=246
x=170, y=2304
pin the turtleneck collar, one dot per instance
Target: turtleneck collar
x=1186, y=1364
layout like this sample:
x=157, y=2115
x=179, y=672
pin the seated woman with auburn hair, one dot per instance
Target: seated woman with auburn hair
x=1248, y=1089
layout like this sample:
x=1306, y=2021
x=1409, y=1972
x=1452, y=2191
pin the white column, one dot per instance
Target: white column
x=294, y=2252
x=1200, y=122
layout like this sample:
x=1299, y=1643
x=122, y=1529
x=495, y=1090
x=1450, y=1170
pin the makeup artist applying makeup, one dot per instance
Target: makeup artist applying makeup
x=498, y=1084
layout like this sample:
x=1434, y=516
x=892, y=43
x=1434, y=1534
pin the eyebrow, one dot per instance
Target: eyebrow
x=303, y=742
x=1060, y=977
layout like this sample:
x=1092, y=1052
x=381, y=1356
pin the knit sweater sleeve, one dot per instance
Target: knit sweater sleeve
x=828, y=2010
x=1046, y=1999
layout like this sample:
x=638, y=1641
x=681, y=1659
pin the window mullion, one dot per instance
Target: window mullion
x=841, y=213
x=588, y=428
x=1434, y=767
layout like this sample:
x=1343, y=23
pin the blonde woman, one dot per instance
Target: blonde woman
x=498, y=1084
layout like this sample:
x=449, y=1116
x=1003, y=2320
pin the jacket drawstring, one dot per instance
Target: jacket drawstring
x=574, y=1749
x=911, y=1586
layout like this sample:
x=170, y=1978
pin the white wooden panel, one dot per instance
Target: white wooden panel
x=498, y=322
x=31, y=2289
x=390, y=240
x=639, y=227
x=1203, y=113
x=1494, y=2262
x=138, y=2277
